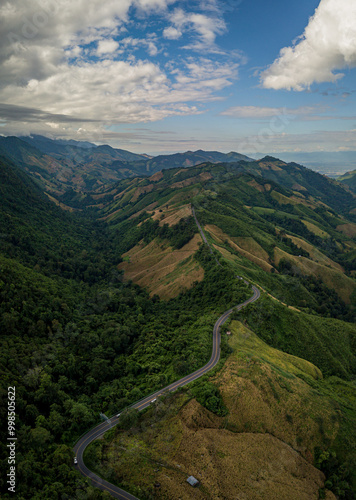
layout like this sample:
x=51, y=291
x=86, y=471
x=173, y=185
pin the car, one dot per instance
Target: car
x=75, y=461
x=118, y=414
x=153, y=400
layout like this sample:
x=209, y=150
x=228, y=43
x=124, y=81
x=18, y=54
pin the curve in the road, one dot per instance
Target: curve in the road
x=100, y=429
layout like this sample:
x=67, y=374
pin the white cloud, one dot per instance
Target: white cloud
x=206, y=27
x=327, y=44
x=204, y=75
x=61, y=68
x=250, y=112
x=110, y=92
x=107, y=46
x=172, y=33
x=260, y=112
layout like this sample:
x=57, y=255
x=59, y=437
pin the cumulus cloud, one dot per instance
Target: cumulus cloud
x=172, y=33
x=107, y=46
x=112, y=92
x=328, y=44
x=62, y=63
x=206, y=27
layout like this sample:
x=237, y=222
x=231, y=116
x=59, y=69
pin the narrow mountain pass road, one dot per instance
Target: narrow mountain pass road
x=100, y=429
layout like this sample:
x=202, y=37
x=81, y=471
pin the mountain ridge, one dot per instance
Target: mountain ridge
x=102, y=306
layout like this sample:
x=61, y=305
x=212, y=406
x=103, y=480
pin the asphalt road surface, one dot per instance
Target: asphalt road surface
x=100, y=429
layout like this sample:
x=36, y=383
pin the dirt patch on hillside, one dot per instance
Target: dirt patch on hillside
x=164, y=271
x=256, y=185
x=294, y=200
x=239, y=466
x=298, y=187
x=263, y=449
x=168, y=447
x=204, y=176
x=251, y=246
x=149, y=207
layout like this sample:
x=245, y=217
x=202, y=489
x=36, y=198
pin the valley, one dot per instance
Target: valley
x=109, y=294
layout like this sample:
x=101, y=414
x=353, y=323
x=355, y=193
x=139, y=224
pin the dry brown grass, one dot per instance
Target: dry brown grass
x=270, y=166
x=348, y=229
x=204, y=176
x=252, y=250
x=298, y=187
x=172, y=216
x=142, y=190
x=60, y=204
x=332, y=278
x=146, y=209
x=229, y=464
x=251, y=246
x=156, y=177
x=256, y=185
x=163, y=271
x=315, y=254
x=262, y=450
x=294, y=200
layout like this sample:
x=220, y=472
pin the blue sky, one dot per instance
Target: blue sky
x=174, y=75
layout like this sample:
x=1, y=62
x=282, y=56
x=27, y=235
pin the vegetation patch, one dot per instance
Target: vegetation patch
x=155, y=266
x=342, y=284
x=220, y=237
x=315, y=229
x=349, y=229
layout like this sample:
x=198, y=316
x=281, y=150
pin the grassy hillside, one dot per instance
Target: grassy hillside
x=328, y=343
x=281, y=413
x=80, y=337
x=249, y=221
x=349, y=179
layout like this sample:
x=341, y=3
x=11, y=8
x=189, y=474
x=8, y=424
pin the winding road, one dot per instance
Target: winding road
x=100, y=429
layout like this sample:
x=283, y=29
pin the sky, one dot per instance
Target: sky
x=164, y=76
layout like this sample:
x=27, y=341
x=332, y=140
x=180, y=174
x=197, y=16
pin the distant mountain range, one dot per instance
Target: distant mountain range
x=71, y=171
x=60, y=165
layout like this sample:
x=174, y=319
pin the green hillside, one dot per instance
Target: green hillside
x=274, y=404
x=349, y=179
x=101, y=306
x=257, y=228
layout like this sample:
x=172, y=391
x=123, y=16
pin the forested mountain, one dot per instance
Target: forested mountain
x=192, y=158
x=102, y=305
x=60, y=165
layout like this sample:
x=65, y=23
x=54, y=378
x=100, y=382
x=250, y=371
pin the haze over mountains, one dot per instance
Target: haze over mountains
x=331, y=163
